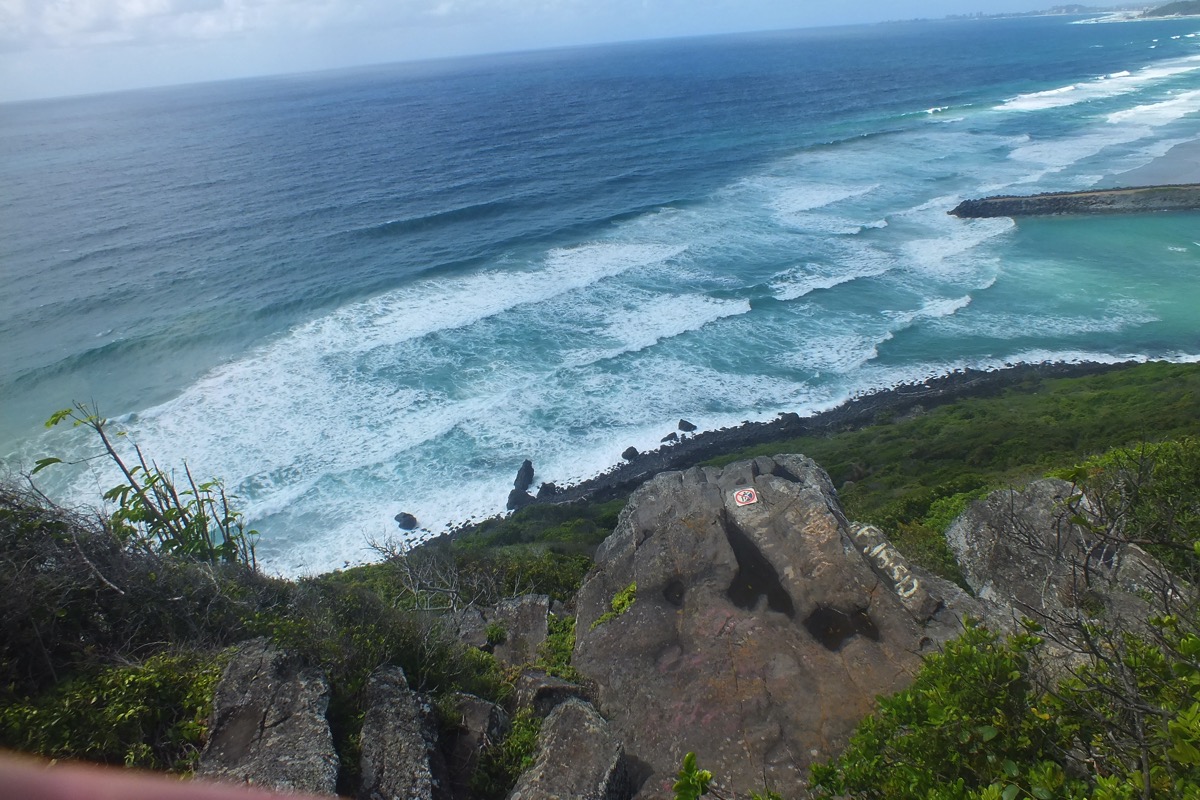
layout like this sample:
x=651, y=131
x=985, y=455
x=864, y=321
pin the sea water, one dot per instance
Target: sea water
x=356, y=293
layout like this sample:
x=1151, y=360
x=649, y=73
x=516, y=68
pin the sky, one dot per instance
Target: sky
x=68, y=47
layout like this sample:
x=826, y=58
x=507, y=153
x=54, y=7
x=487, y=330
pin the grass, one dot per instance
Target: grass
x=896, y=472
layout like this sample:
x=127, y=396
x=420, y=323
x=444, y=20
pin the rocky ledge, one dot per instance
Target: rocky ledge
x=734, y=612
x=1183, y=197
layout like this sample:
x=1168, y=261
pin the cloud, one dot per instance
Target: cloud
x=49, y=24
x=44, y=24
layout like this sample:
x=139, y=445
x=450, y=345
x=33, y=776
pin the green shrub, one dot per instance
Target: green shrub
x=151, y=715
x=1149, y=494
x=495, y=633
x=969, y=723
x=502, y=764
x=155, y=509
x=554, y=654
x=622, y=601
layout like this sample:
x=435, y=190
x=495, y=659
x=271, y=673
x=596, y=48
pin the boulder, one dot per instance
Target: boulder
x=471, y=626
x=629, y=453
x=1021, y=552
x=400, y=759
x=547, y=490
x=890, y=565
x=760, y=635
x=523, y=621
x=524, y=476
x=578, y=758
x=542, y=693
x=670, y=437
x=686, y=426
x=480, y=725
x=268, y=725
x=519, y=498
x=406, y=521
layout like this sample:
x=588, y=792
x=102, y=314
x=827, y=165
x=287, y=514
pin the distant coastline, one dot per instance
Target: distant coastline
x=1139, y=199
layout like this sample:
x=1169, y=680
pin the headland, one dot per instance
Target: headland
x=1140, y=199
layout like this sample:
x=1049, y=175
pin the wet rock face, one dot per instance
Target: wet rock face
x=760, y=635
x=268, y=724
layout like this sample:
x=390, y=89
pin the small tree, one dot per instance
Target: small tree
x=196, y=521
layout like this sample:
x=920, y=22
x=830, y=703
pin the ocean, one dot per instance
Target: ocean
x=355, y=293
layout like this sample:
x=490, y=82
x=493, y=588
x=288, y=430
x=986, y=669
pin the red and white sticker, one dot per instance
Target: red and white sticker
x=744, y=497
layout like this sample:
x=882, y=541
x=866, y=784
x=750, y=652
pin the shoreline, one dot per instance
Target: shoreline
x=857, y=412
x=1180, y=164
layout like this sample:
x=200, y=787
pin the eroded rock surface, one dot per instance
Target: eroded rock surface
x=523, y=620
x=1021, y=553
x=400, y=759
x=268, y=724
x=760, y=634
x=542, y=693
x=579, y=757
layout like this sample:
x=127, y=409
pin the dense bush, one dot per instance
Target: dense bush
x=988, y=719
x=74, y=597
x=969, y=721
x=501, y=765
x=150, y=715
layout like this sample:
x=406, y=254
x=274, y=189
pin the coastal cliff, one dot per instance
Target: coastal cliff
x=1136, y=200
x=732, y=610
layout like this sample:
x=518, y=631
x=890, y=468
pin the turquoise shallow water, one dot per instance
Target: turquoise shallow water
x=356, y=293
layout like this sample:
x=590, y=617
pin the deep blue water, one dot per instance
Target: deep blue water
x=361, y=292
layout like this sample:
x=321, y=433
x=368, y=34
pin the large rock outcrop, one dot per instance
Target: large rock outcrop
x=1022, y=552
x=761, y=632
x=578, y=758
x=268, y=724
x=520, y=622
x=400, y=759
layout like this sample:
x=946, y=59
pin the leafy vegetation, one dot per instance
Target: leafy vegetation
x=501, y=765
x=151, y=509
x=554, y=654
x=969, y=722
x=990, y=719
x=893, y=473
x=90, y=603
x=151, y=715
x=622, y=601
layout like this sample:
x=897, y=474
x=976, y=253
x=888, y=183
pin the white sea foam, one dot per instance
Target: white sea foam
x=807, y=278
x=839, y=353
x=1160, y=113
x=1022, y=326
x=1103, y=87
x=933, y=308
x=635, y=326
x=1055, y=155
x=938, y=252
x=796, y=199
x=440, y=304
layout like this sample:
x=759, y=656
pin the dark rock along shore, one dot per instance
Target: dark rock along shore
x=1141, y=199
x=856, y=412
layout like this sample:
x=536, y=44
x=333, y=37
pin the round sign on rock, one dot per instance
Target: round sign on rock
x=744, y=497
